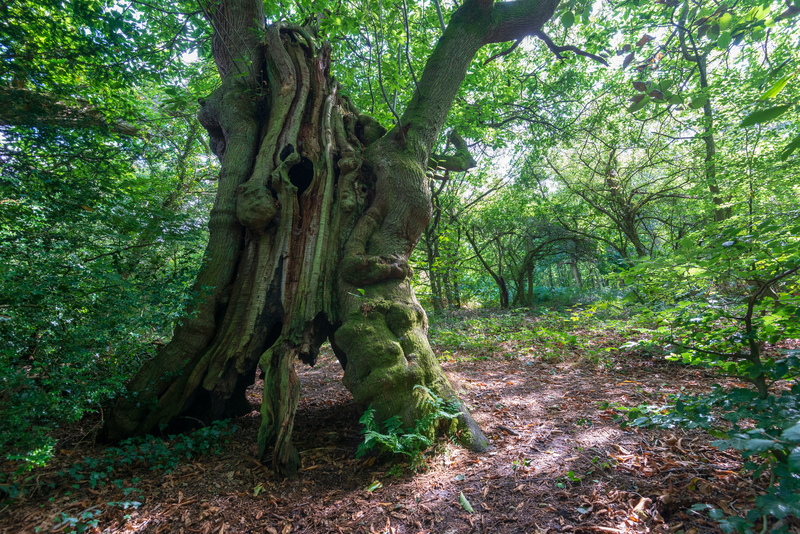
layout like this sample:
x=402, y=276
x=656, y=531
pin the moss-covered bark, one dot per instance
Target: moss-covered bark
x=317, y=213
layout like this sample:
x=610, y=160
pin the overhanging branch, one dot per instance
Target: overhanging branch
x=23, y=107
x=557, y=50
x=504, y=52
x=461, y=161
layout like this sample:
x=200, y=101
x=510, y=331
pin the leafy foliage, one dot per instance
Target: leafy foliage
x=739, y=294
x=159, y=454
x=409, y=442
x=96, y=268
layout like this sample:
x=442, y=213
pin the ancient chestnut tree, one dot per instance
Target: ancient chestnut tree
x=317, y=211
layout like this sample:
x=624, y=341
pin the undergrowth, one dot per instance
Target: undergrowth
x=159, y=454
x=408, y=442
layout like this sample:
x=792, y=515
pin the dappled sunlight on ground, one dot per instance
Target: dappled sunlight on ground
x=559, y=462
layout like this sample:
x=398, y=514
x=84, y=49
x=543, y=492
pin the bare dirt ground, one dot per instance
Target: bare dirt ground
x=559, y=463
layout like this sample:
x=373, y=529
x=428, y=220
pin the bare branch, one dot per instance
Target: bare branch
x=439, y=12
x=504, y=52
x=557, y=50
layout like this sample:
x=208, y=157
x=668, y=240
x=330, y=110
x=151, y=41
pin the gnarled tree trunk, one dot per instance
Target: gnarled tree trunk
x=316, y=215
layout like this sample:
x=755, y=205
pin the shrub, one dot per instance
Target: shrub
x=740, y=295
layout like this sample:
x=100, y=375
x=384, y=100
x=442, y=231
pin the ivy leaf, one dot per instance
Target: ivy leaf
x=765, y=115
x=775, y=506
x=716, y=514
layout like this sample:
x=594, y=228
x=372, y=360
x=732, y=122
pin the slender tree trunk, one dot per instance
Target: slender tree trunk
x=447, y=284
x=431, y=255
x=453, y=291
x=529, y=301
x=576, y=273
x=497, y=275
x=721, y=212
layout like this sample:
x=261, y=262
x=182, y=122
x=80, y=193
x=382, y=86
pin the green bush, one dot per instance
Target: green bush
x=739, y=294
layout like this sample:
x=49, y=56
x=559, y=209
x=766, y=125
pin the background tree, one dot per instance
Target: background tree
x=102, y=181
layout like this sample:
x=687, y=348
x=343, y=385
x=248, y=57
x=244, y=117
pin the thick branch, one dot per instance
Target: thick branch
x=237, y=25
x=516, y=20
x=23, y=107
x=461, y=161
x=504, y=52
x=473, y=25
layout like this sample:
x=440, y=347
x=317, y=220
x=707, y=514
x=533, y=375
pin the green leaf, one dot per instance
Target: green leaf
x=639, y=101
x=774, y=72
x=699, y=101
x=794, y=460
x=664, y=85
x=758, y=446
x=791, y=147
x=724, y=40
x=375, y=485
x=765, y=115
x=792, y=433
x=568, y=19
x=777, y=87
x=675, y=100
x=465, y=503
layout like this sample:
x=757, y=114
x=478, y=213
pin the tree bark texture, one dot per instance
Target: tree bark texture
x=317, y=212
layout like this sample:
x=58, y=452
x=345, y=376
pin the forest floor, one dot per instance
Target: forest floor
x=543, y=388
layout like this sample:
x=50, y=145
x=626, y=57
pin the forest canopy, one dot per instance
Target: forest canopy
x=196, y=193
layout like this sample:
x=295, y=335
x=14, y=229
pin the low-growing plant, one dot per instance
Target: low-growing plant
x=409, y=442
x=159, y=454
x=741, y=297
x=89, y=518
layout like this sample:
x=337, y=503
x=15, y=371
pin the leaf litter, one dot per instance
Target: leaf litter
x=559, y=462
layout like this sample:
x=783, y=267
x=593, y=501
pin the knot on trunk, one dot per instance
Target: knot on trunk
x=255, y=206
x=362, y=270
x=353, y=192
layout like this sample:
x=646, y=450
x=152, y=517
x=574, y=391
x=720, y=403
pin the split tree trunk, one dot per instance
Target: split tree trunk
x=317, y=212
